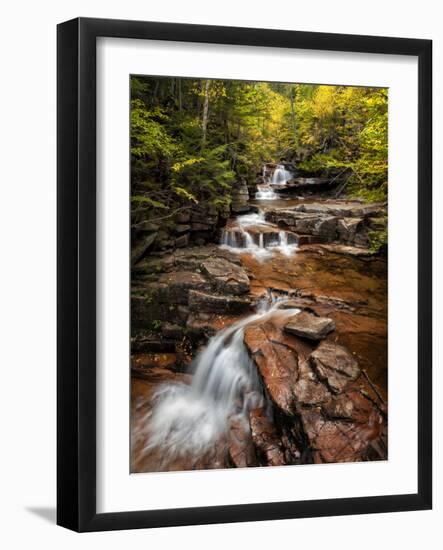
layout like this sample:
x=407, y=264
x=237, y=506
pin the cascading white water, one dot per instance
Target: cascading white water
x=187, y=420
x=229, y=238
x=281, y=175
x=266, y=194
x=239, y=239
x=284, y=246
x=257, y=218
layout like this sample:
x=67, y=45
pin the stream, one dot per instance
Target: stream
x=188, y=420
x=189, y=417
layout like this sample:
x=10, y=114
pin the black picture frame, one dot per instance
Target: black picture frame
x=76, y=265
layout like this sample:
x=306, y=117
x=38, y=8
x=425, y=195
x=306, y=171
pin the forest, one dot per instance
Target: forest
x=197, y=138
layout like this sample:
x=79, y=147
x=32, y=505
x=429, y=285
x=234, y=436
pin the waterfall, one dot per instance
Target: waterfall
x=266, y=193
x=249, y=240
x=280, y=175
x=283, y=245
x=252, y=219
x=242, y=240
x=229, y=238
x=239, y=239
x=188, y=420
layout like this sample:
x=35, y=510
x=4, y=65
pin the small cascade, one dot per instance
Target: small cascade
x=190, y=420
x=257, y=218
x=265, y=193
x=229, y=238
x=281, y=175
x=252, y=234
x=259, y=244
x=284, y=246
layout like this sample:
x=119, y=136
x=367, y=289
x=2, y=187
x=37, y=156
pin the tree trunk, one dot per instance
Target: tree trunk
x=294, y=126
x=205, y=112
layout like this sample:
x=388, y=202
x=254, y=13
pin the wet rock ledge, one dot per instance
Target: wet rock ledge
x=185, y=297
x=325, y=409
x=349, y=223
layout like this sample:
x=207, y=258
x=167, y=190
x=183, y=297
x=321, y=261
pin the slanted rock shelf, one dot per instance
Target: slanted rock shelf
x=347, y=223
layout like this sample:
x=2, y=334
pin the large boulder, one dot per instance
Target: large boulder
x=310, y=392
x=182, y=241
x=191, y=258
x=197, y=226
x=318, y=225
x=206, y=324
x=226, y=276
x=342, y=209
x=151, y=266
x=182, y=228
x=175, y=286
x=276, y=361
x=349, y=428
x=183, y=216
x=146, y=309
x=240, y=198
x=216, y=303
x=307, y=325
x=347, y=228
x=139, y=249
x=240, y=445
x=326, y=409
x=334, y=365
x=346, y=222
x=266, y=438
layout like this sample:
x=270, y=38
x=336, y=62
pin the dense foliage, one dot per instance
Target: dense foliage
x=192, y=140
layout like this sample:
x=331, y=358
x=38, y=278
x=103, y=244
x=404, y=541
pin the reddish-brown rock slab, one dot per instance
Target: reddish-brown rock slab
x=334, y=365
x=276, y=362
x=226, y=276
x=354, y=405
x=310, y=326
x=241, y=447
x=215, y=303
x=208, y=324
x=265, y=438
x=311, y=392
x=340, y=440
x=174, y=286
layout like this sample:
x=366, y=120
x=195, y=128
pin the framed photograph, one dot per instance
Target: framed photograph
x=244, y=274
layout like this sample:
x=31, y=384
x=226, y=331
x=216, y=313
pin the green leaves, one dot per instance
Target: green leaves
x=182, y=192
x=149, y=136
x=137, y=199
x=323, y=129
x=346, y=128
x=179, y=166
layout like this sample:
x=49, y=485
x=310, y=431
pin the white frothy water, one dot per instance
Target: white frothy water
x=281, y=175
x=188, y=420
x=283, y=246
x=238, y=239
x=258, y=218
x=266, y=194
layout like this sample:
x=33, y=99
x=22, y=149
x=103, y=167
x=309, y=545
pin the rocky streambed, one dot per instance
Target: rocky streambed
x=269, y=348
